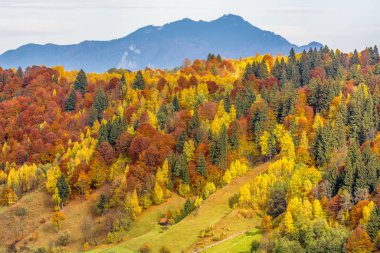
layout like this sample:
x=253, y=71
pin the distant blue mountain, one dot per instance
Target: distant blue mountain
x=157, y=46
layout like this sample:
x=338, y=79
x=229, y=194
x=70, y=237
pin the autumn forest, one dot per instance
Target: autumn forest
x=131, y=142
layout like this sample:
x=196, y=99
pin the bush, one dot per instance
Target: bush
x=63, y=240
x=164, y=249
x=34, y=236
x=86, y=246
x=145, y=249
x=285, y=245
x=101, y=206
x=255, y=245
x=21, y=211
x=40, y=250
x=171, y=221
x=233, y=200
x=207, y=232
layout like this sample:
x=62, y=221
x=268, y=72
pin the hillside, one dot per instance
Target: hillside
x=94, y=161
x=157, y=46
x=183, y=237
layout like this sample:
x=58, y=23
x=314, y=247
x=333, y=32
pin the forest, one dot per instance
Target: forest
x=138, y=138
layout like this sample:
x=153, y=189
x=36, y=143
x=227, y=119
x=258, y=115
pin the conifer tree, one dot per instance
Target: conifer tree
x=101, y=206
x=353, y=165
x=244, y=100
x=348, y=176
x=371, y=165
x=182, y=138
x=103, y=134
x=181, y=169
x=292, y=56
x=339, y=128
x=234, y=139
x=123, y=81
x=375, y=55
x=71, y=101
x=373, y=225
x=98, y=106
x=19, y=72
x=81, y=82
x=176, y=104
x=100, y=101
x=93, y=116
x=223, y=147
x=219, y=58
x=210, y=56
x=214, y=150
x=355, y=58
x=262, y=70
x=63, y=188
x=188, y=207
x=194, y=123
x=139, y=82
x=305, y=68
x=202, y=166
x=323, y=147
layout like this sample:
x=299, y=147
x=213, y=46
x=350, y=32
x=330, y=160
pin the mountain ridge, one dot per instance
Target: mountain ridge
x=163, y=46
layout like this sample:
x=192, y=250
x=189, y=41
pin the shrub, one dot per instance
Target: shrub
x=255, y=245
x=233, y=200
x=164, y=249
x=86, y=246
x=40, y=250
x=21, y=211
x=207, y=232
x=63, y=239
x=145, y=249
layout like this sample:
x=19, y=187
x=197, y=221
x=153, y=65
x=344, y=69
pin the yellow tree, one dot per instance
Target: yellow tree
x=56, y=199
x=227, y=178
x=265, y=145
x=287, y=146
x=52, y=176
x=132, y=205
x=266, y=223
x=198, y=201
x=57, y=219
x=158, y=194
x=245, y=196
x=188, y=149
x=83, y=184
x=209, y=189
x=288, y=223
x=162, y=175
x=317, y=209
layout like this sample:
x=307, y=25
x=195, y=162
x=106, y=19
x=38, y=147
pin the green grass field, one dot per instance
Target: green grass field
x=239, y=244
x=183, y=235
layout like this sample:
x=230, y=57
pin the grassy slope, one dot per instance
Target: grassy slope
x=241, y=243
x=36, y=223
x=75, y=212
x=231, y=225
x=184, y=234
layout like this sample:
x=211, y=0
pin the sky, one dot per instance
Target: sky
x=343, y=24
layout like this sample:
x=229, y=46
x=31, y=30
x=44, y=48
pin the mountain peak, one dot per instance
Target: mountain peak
x=231, y=18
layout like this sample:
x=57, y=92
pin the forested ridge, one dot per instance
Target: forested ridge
x=139, y=137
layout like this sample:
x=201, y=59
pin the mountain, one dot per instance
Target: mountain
x=157, y=46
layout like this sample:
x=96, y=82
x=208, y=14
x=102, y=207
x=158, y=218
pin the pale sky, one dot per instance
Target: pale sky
x=343, y=24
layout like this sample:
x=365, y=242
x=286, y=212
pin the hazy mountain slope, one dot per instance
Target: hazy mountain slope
x=162, y=47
